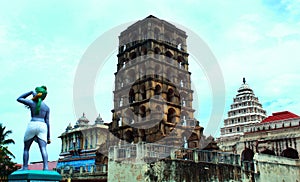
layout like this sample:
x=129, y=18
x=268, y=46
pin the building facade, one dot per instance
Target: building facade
x=153, y=95
x=244, y=111
x=277, y=135
x=80, y=144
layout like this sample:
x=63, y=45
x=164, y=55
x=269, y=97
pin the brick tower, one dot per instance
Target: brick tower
x=153, y=95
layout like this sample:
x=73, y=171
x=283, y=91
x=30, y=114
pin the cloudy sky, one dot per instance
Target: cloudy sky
x=43, y=43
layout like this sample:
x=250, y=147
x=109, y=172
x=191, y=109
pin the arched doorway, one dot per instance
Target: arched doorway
x=290, y=153
x=268, y=151
x=247, y=155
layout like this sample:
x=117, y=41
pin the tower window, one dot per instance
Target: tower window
x=120, y=121
x=132, y=55
x=131, y=96
x=157, y=90
x=143, y=92
x=121, y=102
x=183, y=102
x=143, y=111
x=171, y=115
x=156, y=52
x=170, y=95
x=169, y=54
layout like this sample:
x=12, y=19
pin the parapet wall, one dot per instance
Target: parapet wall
x=173, y=170
x=275, y=168
x=143, y=162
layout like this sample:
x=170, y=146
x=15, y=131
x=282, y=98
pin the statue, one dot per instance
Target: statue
x=38, y=128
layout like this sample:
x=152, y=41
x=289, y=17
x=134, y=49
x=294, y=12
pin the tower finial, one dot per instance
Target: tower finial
x=244, y=80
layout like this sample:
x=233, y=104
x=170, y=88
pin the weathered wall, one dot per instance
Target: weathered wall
x=119, y=171
x=276, y=169
x=172, y=170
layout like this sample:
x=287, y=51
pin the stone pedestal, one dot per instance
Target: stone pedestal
x=34, y=175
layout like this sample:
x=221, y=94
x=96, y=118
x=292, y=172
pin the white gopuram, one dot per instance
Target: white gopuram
x=244, y=111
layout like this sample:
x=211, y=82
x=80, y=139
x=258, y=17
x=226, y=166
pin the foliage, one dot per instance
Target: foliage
x=6, y=165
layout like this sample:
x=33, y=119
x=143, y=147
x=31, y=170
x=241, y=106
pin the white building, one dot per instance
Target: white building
x=244, y=111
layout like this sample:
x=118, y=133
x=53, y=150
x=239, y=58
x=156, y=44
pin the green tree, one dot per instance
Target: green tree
x=6, y=164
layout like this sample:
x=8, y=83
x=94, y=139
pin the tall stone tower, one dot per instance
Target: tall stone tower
x=153, y=96
x=244, y=111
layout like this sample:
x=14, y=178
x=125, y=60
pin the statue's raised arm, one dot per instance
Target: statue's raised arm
x=38, y=128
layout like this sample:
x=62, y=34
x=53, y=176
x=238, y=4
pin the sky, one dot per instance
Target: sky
x=43, y=44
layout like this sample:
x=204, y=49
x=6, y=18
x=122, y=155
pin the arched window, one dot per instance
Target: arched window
x=170, y=95
x=143, y=92
x=171, y=117
x=91, y=139
x=156, y=52
x=121, y=102
x=131, y=96
x=180, y=60
x=184, y=117
x=179, y=43
x=133, y=55
x=143, y=111
x=179, y=46
x=86, y=144
x=120, y=121
x=185, y=142
x=157, y=90
x=144, y=50
x=169, y=54
x=129, y=136
x=290, y=153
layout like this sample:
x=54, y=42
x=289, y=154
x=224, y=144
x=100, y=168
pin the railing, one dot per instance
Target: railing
x=146, y=152
x=137, y=152
x=89, y=169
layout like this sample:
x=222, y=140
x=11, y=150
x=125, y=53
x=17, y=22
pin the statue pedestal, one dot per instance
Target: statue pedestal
x=34, y=175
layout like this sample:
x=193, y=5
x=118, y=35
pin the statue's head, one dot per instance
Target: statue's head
x=41, y=93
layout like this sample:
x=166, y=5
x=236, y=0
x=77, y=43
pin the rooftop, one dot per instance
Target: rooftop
x=283, y=115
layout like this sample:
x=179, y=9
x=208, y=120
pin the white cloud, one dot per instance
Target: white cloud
x=282, y=30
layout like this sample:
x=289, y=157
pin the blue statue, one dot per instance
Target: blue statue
x=38, y=128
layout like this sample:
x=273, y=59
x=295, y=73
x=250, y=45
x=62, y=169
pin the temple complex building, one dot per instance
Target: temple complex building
x=244, y=111
x=80, y=144
x=277, y=135
x=153, y=135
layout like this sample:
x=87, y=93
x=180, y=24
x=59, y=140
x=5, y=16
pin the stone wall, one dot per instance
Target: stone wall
x=172, y=170
x=276, y=169
x=152, y=162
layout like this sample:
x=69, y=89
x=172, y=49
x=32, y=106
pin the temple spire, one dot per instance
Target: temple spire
x=244, y=80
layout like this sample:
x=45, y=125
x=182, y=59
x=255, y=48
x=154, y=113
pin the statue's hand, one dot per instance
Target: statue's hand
x=37, y=96
x=48, y=141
